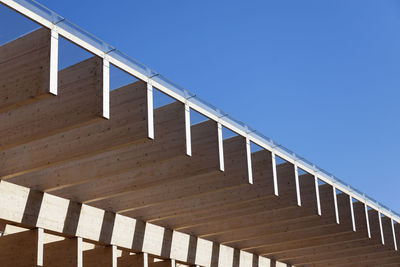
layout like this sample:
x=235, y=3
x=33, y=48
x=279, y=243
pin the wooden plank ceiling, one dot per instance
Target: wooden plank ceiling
x=61, y=145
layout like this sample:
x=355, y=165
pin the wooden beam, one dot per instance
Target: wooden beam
x=23, y=249
x=104, y=256
x=64, y=253
x=25, y=69
x=283, y=250
x=77, y=151
x=378, y=258
x=234, y=166
x=79, y=102
x=190, y=178
x=158, y=179
x=94, y=225
x=236, y=203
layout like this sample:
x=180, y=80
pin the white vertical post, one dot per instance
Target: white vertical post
x=173, y=263
x=274, y=174
x=187, y=128
x=317, y=195
x=106, y=89
x=352, y=213
x=150, y=116
x=394, y=235
x=249, y=168
x=114, y=255
x=336, y=206
x=220, y=148
x=367, y=220
x=79, y=252
x=145, y=259
x=296, y=177
x=40, y=239
x=53, y=82
x=381, y=228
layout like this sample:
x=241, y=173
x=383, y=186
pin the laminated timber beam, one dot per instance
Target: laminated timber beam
x=268, y=218
x=78, y=102
x=19, y=204
x=23, y=249
x=89, y=150
x=210, y=201
x=25, y=69
x=189, y=182
x=161, y=179
x=252, y=199
x=101, y=256
x=64, y=253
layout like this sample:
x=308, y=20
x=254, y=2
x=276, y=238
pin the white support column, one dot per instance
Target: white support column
x=274, y=174
x=53, y=84
x=381, y=228
x=317, y=195
x=145, y=259
x=187, y=129
x=79, y=252
x=40, y=239
x=150, y=116
x=249, y=168
x=336, y=205
x=296, y=176
x=106, y=89
x=114, y=255
x=353, y=221
x=367, y=220
x=173, y=263
x=394, y=235
x=220, y=148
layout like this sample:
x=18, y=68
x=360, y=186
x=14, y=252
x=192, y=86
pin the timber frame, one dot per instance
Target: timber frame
x=93, y=177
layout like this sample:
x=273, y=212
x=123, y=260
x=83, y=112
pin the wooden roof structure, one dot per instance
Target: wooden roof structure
x=93, y=177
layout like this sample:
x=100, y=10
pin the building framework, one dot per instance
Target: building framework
x=93, y=177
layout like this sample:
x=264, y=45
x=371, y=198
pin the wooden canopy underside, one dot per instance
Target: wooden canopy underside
x=103, y=178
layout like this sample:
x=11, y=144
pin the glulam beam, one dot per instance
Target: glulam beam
x=23, y=249
x=84, y=152
x=25, y=69
x=158, y=179
x=59, y=215
x=79, y=102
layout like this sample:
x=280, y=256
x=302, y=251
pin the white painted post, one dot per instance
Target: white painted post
x=367, y=220
x=296, y=176
x=220, y=148
x=150, y=116
x=249, y=168
x=352, y=213
x=274, y=174
x=394, y=235
x=317, y=195
x=106, y=89
x=53, y=84
x=40, y=240
x=335, y=202
x=188, y=133
x=381, y=228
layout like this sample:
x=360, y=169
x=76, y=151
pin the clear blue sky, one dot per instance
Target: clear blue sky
x=320, y=77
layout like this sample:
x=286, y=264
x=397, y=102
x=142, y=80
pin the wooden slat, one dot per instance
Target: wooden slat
x=100, y=257
x=25, y=69
x=58, y=215
x=283, y=251
x=235, y=170
x=84, y=152
x=23, y=249
x=158, y=179
x=79, y=102
x=64, y=253
x=234, y=203
x=379, y=258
